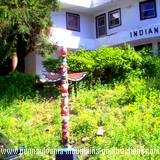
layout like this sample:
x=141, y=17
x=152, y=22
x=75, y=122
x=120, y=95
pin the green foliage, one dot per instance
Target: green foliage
x=107, y=64
x=52, y=65
x=44, y=47
x=21, y=21
x=17, y=84
x=127, y=114
x=30, y=123
x=149, y=62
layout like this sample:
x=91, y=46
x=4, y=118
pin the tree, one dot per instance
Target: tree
x=21, y=23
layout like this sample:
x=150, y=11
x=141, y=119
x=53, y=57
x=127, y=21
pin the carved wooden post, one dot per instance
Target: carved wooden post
x=64, y=98
x=65, y=153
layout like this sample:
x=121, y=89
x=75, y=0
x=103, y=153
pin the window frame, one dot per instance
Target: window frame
x=141, y=11
x=68, y=26
x=112, y=12
x=98, y=27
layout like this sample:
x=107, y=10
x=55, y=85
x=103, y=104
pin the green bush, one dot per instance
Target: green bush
x=106, y=64
x=52, y=65
x=17, y=84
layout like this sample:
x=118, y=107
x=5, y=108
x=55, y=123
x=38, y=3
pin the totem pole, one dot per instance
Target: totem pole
x=64, y=98
x=65, y=153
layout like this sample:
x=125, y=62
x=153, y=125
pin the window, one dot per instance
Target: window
x=114, y=18
x=101, y=25
x=143, y=46
x=73, y=21
x=147, y=9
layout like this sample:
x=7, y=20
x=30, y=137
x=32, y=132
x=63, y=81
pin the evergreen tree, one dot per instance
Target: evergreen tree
x=21, y=22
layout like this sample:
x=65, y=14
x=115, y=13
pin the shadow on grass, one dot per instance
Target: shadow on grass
x=48, y=90
x=17, y=86
x=7, y=150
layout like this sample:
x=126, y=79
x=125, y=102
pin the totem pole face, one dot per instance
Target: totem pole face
x=63, y=52
x=64, y=107
x=64, y=68
x=64, y=89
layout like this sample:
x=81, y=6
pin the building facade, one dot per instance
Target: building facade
x=92, y=24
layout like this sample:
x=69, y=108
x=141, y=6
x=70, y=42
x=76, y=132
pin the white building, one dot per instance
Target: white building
x=92, y=24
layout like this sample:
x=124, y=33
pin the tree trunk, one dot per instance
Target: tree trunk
x=14, y=61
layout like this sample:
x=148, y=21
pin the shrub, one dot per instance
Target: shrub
x=106, y=64
x=16, y=84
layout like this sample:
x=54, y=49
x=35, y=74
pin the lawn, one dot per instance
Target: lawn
x=128, y=112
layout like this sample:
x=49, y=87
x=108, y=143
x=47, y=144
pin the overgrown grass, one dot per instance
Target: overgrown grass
x=32, y=124
x=129, y=113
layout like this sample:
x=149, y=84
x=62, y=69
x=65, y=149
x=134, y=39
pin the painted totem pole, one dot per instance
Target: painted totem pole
x=64, y=98
x=66, y=153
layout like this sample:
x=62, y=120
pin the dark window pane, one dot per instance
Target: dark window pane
x=116, y=21
x=102, y=31
x=151, y=13
x=147, y=14
x=144, y=46
x=73, y=21
x=101, y=21
x=114, y=18
x=101, y=25
x=148, y=6
x=147, y=9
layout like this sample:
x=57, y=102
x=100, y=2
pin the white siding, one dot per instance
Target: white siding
x=86, y=24
x=73, y=39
